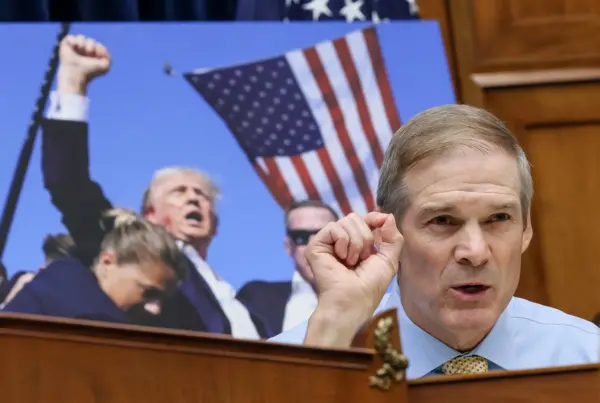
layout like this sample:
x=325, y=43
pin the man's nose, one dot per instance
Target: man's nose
x=153, y=307
x=472, y=248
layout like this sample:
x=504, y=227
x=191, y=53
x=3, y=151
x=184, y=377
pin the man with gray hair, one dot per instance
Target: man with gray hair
x=454, y=201
x=181, y=199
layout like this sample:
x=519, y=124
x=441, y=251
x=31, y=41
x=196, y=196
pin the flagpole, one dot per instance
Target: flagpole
x=16, y=185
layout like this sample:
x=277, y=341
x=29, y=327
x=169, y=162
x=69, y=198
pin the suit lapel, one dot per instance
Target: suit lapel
x=197, y=290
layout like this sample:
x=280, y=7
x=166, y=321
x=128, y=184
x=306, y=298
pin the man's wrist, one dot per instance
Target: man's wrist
x=332, y=328
x=71, y=82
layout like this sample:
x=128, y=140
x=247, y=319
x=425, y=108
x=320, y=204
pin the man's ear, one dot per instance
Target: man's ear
x=215, y=220
x=527, y=233
x=150, y=215
x=287, y=243
x=107, y=258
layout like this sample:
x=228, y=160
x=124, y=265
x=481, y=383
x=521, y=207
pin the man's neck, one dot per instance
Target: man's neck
x=201, y=248
x=462, y=341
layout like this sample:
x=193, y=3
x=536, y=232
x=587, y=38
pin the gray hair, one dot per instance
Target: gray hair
x=212, y=189
x=432, y=133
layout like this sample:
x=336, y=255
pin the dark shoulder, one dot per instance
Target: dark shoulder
x=264, y=286
x=61, y=269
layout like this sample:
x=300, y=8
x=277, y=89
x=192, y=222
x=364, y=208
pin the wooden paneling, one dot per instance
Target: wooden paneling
x=536, y=64
x=529, y=34
x=558, y=124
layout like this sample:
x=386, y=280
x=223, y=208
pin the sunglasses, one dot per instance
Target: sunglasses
x=301, y=237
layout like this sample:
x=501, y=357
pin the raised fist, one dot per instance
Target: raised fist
x=354, y=260
x=81, y=60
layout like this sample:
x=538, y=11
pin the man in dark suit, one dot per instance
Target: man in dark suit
x=283, y=305
x=183, y=200
x=55, y=247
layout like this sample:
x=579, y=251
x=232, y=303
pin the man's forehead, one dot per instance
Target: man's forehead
x=177, y=179
x=309, y=215
x=465, y=175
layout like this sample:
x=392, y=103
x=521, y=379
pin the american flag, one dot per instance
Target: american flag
x=313, y=122
x=351, y=10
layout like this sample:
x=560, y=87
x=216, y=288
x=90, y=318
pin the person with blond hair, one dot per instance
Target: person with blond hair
x=454, y=200
x=139, y=265
x=181, y=199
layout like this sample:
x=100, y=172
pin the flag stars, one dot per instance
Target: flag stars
x=264, y=105
x=318, y=8
x=352, y=10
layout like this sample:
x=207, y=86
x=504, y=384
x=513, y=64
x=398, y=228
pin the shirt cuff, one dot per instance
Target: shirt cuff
x=68, y=107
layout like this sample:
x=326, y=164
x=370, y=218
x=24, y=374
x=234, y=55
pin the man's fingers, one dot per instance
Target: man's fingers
x=333, y=234
x=356, y=242
x=101, y=50
x=391, y=241
x=89, y=45
x=375, y=219
x=69, y=40
x=366, y=235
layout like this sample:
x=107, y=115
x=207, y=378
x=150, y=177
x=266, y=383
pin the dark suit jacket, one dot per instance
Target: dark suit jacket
x=66, y=289
x=81, y=201
x=266, y=302
x=8, y=284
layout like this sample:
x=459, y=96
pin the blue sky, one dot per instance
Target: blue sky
x=142, y=120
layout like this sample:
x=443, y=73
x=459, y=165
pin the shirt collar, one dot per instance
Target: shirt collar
x=300, y=285
x=426, y=353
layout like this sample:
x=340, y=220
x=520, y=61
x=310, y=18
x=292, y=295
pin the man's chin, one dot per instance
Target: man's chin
x=471, y=318
x=192, y=235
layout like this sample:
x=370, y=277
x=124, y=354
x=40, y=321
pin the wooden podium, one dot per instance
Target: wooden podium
x=48, y=360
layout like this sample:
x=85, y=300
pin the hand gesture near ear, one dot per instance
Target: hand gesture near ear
x=354, y=260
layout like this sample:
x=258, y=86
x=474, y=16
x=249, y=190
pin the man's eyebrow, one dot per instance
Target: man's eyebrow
x=435, y=209
x=506, y=206
x=430, y=209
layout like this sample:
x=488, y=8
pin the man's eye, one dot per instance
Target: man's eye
x=500, y=217
x=442, y=220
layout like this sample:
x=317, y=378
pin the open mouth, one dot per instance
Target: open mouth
x=470, y=291
x=472, y=288
x=194, y=217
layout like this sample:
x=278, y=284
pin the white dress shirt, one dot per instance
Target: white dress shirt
x=301, y=304
x=242, y=325
x=526, y=336
x=76, y=108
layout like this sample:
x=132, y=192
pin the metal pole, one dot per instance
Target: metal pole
x=16, y=186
